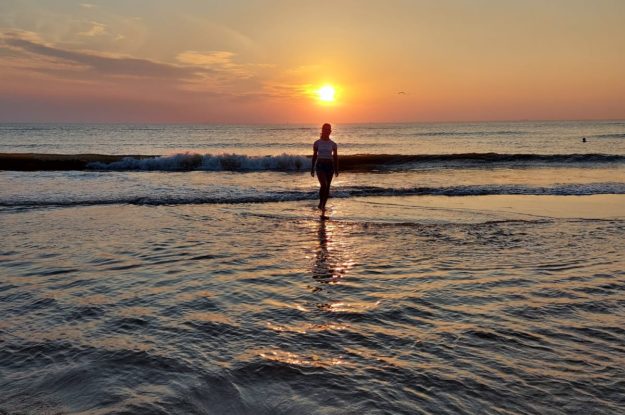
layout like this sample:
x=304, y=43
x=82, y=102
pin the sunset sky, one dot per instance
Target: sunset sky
x=263, y=61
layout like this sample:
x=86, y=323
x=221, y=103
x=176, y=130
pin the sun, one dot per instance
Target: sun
x=326, y=93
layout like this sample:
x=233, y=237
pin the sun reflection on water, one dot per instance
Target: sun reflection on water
x=313, y=360
x=333, y=257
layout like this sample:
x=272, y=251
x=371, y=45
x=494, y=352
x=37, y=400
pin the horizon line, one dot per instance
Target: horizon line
x=315, y=123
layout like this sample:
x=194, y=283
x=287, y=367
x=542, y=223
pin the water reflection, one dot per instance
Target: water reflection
x=329, y=266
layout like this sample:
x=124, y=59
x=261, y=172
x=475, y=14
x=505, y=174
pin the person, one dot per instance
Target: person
x=325, y=161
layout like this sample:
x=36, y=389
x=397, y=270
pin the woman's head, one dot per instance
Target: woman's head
x=326, y=129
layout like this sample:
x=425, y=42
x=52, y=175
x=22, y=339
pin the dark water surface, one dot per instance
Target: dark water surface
x=390, y=307
x=525, y=137
x=469, y=268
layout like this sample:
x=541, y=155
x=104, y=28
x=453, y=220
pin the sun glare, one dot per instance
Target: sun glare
x=326, y=93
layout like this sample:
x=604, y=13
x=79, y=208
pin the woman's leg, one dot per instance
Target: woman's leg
x=322, y=177
x=327, y=188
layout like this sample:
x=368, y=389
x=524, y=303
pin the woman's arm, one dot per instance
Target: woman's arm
x=314, y=160
x=336, y=161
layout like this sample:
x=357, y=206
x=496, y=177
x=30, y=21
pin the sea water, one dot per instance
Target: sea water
x=464, y=268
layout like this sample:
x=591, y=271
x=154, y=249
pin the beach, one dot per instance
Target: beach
x=490, y=282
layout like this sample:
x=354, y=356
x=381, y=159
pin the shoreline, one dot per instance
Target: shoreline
x=431, y=209
x=397, y=210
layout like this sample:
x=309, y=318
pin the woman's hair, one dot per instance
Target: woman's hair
x=326, y=127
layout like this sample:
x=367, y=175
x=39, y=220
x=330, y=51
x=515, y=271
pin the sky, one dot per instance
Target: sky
x=264, y=61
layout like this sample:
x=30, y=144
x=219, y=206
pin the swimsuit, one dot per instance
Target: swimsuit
x=325, y=166
x=325, y=148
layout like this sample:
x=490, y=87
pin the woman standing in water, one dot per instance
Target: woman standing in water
x=325, y=160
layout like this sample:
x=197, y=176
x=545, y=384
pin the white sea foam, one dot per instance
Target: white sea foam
x=208, y=162
x=354, y=162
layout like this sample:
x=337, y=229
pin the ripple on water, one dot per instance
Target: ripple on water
x=283, y=316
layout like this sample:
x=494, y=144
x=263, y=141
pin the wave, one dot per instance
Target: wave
x=468, y=133
x=208, y=162
x=615, y=135
x=346, y=192
x=287, y=162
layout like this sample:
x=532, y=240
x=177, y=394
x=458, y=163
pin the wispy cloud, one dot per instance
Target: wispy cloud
x=201, y=73
x=191, y=66
x=220, y=61
x=286, y=90
x=219, y=58
x=102, y=64
x=214, y=73
x=96, y=29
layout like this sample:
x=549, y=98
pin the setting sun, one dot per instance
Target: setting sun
x=326, y=93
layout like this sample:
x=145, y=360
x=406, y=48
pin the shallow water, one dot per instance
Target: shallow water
x=483, y=306
x=488, y=284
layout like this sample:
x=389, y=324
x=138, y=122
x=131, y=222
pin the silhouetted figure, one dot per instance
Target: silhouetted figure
x=583, y=139
x=325, y=161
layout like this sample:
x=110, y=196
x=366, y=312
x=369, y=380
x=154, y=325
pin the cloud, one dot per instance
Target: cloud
x=105, y=65
x=88, y=6
x=220, y=58
x=96, y=29
x=28, y=58
x=220, y=61
x=21, y=34
x=287, y=90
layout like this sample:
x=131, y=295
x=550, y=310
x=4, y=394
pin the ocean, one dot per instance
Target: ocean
x=465, y=268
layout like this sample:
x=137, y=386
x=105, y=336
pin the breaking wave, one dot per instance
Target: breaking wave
x=288, y=162
x=208, y=162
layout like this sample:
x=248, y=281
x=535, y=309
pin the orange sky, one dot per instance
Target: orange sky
x=257, y=61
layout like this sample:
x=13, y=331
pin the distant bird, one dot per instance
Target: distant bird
x=401, y=93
